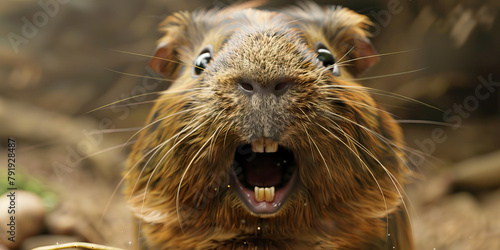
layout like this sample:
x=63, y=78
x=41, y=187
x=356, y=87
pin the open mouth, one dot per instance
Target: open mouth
x=263, y=176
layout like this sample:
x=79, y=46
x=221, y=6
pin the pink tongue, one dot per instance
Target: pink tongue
x=263, y=171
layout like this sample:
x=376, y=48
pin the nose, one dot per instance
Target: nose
x=277, y=88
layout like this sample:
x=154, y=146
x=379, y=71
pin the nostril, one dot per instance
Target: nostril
x=281, y=86
x=277, y=88
x=246, y=86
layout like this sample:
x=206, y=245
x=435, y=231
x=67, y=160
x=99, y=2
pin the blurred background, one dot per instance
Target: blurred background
x=60, y=59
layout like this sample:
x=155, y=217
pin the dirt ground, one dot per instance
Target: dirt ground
x=60, y=59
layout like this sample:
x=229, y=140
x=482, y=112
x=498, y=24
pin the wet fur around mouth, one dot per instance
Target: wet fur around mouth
x=350, y=169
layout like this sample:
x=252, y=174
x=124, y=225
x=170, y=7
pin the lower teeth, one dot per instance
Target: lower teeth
x=264, y=194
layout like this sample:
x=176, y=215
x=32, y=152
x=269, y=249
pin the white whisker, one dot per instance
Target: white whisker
x=184, y=174
x=162, y=119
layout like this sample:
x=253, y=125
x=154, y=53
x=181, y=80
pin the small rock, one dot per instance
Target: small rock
x=22, y=215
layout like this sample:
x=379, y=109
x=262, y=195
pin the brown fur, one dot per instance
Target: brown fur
x=350, y=166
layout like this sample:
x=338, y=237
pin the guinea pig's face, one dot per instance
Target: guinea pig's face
x=262, y=125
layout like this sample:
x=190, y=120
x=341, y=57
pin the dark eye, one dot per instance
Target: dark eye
x=325, y=56
x=201, y=62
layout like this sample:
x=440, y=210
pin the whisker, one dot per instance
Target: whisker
x=446, y=124
x=139, y=76
x=319, y=152
x=156, y=150
x=183, y=90
x=406, y=150
x=104, y=151
x=108, y=204
x=154, y=57
x=382, y=54
x=361, y=105
x=144, y=55
x=340, y=65
x=347, y=53
x=387, y=142
x=378, y=92
x=378, y=135
x=393, y=179
x=141, y=95
x=115, y=130
x=315, y=145
x=163, y=144
x=389, y=75
x=184, y=174
x=162, y=119
x=159, y=162
x=225, y=135
x=362, y=163
x=143, y=102
x=122, y=100
x=57, y=142
x=133, y=104
x=212, y=145
x=192, y=119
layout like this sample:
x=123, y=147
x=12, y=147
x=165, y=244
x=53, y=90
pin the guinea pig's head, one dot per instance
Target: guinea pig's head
x=263, y=130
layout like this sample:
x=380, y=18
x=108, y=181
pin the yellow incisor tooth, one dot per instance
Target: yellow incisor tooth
x=259, y=194
x=258, y=146
x=269, y=196
x=262, y=194
x=270, y=146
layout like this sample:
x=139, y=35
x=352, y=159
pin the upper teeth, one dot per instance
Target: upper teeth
x=264, y=194
x=264, y=145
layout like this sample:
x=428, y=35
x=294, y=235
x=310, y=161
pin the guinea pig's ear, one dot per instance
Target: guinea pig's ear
x=344, y=30
x=351, y=39
x=360, y=53
x=165, y=60
x=347, y=32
